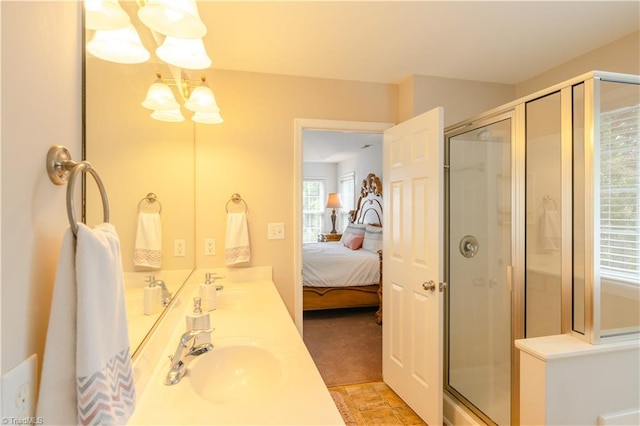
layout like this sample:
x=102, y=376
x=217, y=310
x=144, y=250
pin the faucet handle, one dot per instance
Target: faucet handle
x=151, y=279
x=189, y=335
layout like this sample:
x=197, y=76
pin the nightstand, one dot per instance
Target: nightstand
x=326, y=237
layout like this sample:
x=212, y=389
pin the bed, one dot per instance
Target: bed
x=334, y=274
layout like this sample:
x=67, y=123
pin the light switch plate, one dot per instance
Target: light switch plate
x=275, y=231
x=18, y=390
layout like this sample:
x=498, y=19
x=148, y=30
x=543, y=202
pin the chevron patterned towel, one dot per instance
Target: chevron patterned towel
x=148, y=249
x=87, y=376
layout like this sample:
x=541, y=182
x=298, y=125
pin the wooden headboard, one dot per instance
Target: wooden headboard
x=369, y=205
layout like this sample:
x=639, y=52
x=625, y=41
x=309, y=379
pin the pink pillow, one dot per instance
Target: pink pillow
x=353, y=241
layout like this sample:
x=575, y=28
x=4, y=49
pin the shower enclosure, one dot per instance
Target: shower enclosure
x=542, y=213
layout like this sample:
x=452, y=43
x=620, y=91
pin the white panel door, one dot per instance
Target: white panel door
x=413, y=249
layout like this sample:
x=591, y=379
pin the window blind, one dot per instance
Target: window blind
x=619, y=194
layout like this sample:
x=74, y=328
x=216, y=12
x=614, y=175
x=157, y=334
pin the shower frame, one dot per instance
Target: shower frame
x=516, y=272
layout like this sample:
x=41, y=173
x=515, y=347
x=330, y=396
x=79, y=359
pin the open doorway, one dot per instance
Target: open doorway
x=334, y=158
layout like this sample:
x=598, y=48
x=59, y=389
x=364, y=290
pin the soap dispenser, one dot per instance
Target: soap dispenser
x=199, y=320
x=152, y=297
x=208, y=293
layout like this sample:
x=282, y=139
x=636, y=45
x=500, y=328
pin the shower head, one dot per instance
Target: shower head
x=484, y=134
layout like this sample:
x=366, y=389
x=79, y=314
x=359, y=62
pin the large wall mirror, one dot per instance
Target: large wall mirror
x=136, y=155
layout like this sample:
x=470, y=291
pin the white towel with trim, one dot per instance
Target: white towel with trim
x=87, y=377
x=237, y=241
x=550, y=230
x=148, y=248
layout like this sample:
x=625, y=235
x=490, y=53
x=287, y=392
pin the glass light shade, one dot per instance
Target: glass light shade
x=104, y=15
x=160, y=97
x=202, y=100
x=176, y=18
x=207, y=117
x=122, y=46
x=171, y=116
x=184, y=53
x=334, y=201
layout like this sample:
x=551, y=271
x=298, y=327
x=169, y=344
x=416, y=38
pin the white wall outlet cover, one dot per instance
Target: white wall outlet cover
x=18, y=390
x=275, y=231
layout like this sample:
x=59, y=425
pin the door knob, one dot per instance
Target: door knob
x=429, y=285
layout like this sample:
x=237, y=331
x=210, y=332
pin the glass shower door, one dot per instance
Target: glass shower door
x=479, y=254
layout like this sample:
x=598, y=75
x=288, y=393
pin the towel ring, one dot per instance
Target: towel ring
x=236, y=198
x=150, y=199
x=546, y=199
x=63, y=170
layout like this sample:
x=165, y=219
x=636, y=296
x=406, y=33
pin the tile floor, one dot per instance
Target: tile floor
x=373, y=404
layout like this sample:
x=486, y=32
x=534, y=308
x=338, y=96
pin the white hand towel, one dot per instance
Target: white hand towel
x=148, y=248
x=237, y=241
x=550, y=230
x=87, y=376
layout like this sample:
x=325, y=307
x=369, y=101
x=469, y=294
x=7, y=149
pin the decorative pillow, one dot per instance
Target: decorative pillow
x=352, y=228
x=372, y=238
x=354, y=241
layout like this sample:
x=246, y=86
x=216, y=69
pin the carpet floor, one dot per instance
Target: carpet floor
x=345, y=344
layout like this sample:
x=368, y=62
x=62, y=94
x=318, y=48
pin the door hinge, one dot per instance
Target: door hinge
x=442, y=287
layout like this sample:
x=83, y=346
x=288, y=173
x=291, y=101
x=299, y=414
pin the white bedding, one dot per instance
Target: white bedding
x=334, y=265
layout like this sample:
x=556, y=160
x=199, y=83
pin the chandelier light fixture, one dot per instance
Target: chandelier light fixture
x=199, y=99
x=115, y=39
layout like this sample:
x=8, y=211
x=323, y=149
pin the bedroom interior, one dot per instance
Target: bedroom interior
x=342, y=285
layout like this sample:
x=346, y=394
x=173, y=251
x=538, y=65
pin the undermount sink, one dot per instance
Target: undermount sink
x=237, y=371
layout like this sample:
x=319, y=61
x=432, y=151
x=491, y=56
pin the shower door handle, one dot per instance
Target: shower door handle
x=429, y=285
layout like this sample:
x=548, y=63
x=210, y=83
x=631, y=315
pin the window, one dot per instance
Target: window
x=619, y=194
x=347, y=195
x=312, y=209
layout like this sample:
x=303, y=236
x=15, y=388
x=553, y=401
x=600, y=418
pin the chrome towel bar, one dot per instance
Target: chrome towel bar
x=63, y=170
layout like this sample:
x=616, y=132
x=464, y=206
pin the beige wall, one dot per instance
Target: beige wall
x=41, y=106
x=251, y=153
x=134, y=155
x=622, y=56
x=461, y=99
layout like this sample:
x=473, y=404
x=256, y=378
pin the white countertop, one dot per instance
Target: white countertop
x=246, y=310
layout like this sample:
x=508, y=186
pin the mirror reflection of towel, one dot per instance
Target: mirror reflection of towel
x=237, y=241
x=148, y=248
x=550, y=230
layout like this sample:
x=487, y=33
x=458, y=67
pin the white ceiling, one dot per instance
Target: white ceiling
x=324, y=146
x=505, y=42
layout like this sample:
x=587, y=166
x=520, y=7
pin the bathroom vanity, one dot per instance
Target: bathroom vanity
x=259, y=371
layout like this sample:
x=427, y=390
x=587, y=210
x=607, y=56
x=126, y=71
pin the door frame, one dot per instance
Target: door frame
x=299, y=125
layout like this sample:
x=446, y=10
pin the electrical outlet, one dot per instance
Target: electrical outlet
x=275, y=231
x=179, y=248
x=18, y=390
x=209, y=247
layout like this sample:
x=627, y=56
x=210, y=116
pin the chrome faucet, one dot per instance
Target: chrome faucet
x=166, y=295
x=187, y=351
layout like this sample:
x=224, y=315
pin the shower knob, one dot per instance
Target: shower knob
x=429, y=285
x=469, y=246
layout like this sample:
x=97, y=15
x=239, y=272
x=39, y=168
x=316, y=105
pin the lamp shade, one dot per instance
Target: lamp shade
x=184, y=53
x=122, y=45
x=160, y=97
x=334, y=201
x=104, y=15
x=176, y=18
x=202, y=100
x=171, y=116
x=207, y=117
